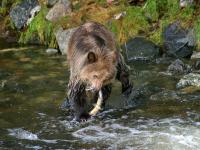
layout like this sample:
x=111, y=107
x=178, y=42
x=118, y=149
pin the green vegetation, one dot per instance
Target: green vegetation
x=197, y=29
x=148, y=18
x=39, y=29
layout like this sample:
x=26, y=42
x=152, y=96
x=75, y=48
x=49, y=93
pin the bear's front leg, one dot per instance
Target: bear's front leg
x=76, y=96
x=123, y=76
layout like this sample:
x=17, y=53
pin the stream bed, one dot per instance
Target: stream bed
x=156, y=116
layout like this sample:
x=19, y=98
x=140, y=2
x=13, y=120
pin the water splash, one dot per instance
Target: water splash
x=166, y=134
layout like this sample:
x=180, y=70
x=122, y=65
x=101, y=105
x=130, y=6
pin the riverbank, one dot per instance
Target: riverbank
x=126, y=19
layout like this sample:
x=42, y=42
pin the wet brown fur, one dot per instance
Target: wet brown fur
x=92, y=37
x=94, y=62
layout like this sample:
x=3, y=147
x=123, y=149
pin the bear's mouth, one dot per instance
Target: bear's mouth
x=90, y=88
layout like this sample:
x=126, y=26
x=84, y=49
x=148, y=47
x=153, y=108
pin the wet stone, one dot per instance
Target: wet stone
x=178, y=67
x=197, y=65
x=51, y=51
x=179, y=42
x=62, y=37
x=21, y=13
x=195, y=55
x=60, y=9
x=165, y=95
x=139, y=48
x=191, y=79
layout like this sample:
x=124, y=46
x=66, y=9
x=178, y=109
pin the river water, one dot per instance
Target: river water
x=157, y=116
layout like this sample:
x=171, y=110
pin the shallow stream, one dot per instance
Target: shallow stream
x=157, y=116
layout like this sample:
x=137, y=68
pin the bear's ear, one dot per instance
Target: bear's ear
x=115, y=56
x=91, y=57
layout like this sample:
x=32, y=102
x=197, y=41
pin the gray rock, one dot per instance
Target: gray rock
x=51, y=51
x=141, y=49
x=33, y=13
x=195, y=55
x=179, y=42
x=62, y=37
x=60, y=9
x=51, y=3
x=197, y=65
x=191, y=79
x=185, y=3
x=22, y=12
x=178, y=67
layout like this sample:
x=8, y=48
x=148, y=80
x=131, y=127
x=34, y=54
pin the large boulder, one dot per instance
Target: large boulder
x=191, y=79
x=21, y=13
x=179, y=42
x=139, y=48
x=60, y=9
x=62, y=37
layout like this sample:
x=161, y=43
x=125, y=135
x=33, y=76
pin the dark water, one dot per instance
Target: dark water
x=32, y=87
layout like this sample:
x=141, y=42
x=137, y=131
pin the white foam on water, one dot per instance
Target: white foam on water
x=165, y=134
x=22, y=134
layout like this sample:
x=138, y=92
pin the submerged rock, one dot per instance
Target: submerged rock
x=191, y=79
x=197, y=65
x=165, y=95
x=178, y=67
x=60, y=9
x=21, y=13
x=179, y=42
x=141, y=49
x=62, y=37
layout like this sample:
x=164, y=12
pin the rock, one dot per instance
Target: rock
x=195, y=55
x=141, y=49
x=51, y=51
x=120, y=15
x=185, y=3
x=191, y=79
x=62, y=37
x=51, y=3
x=165, y=95
x=21, y=13
x=178, y=67
x=197, y=65
x=60, y=9
x=179, y=42
x=33, y=13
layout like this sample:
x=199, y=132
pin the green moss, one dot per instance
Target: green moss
x=101, y=2
x=172, y=6
x=3, y=11
x=150, y=10
x=149, y=19
x=169, y=11
x=130, y=25
x=41, y=29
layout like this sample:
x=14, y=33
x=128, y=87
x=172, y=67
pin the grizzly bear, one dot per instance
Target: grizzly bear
x=94, y=64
